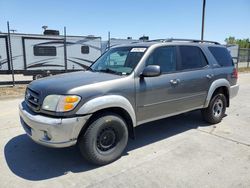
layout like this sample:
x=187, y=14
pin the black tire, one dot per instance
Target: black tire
x=216, y=110
x=37, y=76
x=104, y=140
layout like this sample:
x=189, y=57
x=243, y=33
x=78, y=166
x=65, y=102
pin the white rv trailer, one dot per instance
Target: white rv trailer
x=36, y=54
x=115, y=41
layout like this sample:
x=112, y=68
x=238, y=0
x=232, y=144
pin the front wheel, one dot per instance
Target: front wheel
x=216, y=110
x=104, y=140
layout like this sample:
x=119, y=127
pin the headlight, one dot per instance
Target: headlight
x=60, y=103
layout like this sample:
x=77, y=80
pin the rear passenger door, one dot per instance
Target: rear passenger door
x=195, y=77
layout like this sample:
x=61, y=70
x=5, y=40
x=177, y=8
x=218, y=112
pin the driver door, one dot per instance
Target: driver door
x=156, y=96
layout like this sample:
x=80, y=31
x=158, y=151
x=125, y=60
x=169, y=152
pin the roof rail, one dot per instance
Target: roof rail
x=183, y=40
x=157, y=40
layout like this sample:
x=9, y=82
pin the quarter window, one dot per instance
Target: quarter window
x=222, y=56
x=191, y=58
x=44, y=50
x=165, y=57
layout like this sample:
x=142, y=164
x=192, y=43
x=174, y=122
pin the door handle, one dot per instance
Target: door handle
x=209, y=76
x=175, y=81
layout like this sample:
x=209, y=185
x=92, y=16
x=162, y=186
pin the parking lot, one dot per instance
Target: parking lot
x=180, y=151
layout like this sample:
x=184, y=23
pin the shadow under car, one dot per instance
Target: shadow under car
x=31, y=161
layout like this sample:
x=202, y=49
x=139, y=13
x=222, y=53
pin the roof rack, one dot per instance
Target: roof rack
x=184, y=40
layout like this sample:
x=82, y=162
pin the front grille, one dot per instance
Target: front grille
x=32, y=99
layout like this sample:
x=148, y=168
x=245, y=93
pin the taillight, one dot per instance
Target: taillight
x=235, y=73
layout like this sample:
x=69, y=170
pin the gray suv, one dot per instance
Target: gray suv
x=129, y=85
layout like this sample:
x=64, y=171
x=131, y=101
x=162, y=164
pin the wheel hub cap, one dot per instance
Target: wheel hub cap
x=106, y=139
x=217, y=108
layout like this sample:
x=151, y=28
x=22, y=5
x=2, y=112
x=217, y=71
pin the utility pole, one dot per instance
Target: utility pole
x=203, y=19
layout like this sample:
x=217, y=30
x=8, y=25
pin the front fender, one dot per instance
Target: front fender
x=108, y=101
x=216, y=84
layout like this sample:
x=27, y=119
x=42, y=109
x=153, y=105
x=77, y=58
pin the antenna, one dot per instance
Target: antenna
x=44, y=27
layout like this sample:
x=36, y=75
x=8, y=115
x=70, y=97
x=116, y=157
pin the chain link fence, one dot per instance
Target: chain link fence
x=244, y=57
x=241, y=56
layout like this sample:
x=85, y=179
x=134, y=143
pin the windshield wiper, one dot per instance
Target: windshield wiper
x=107, y=70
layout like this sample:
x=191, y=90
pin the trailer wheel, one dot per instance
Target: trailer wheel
x=37, y=76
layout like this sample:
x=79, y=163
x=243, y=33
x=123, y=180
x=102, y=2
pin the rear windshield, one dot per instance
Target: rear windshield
x=222, y=56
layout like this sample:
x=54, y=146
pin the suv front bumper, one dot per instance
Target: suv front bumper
x=49, y=131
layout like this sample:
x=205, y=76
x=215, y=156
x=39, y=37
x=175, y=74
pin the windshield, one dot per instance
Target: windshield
x=120, y=60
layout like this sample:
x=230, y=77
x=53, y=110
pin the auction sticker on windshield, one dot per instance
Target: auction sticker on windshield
x=138, y=50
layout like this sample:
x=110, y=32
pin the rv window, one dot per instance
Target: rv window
x=85, y=49
x=44, y=50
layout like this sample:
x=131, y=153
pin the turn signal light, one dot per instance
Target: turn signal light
x=68, y=106
x=71, y=99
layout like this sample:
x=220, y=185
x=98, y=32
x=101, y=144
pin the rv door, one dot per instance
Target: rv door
x=4, y=63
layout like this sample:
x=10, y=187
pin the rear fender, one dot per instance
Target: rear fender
x=216, y=84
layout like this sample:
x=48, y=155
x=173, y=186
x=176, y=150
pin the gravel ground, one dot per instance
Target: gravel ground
x=18, y=77
x=10, y=91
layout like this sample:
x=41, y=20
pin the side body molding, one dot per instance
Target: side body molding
x=108, y=101
x=217, y=83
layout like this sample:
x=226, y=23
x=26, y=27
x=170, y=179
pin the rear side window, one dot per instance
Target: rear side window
x=191, y=58
x=44, y=50
x=222, y=56
x=165, y=57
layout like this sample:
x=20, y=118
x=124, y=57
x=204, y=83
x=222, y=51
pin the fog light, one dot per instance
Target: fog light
x=47, y=136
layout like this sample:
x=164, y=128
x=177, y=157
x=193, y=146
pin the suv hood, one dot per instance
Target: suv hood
x=63, y=83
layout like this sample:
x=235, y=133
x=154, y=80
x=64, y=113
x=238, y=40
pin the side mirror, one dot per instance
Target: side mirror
x=151, y=71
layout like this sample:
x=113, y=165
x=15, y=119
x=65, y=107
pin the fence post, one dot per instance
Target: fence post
x=238, y=57
x=109, y=40
x=10, y=54
x=248, y=59
x=65, y=50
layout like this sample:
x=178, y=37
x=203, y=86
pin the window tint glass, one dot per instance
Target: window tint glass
x=44, y=50
x=85, y=49
x=222, y=56
x=120, y=60
x=165, y=57
x=117, y=58
x=191, y=58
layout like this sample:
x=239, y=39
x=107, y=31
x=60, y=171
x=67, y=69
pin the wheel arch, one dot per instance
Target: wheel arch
x=114, y=104
x=220, y=85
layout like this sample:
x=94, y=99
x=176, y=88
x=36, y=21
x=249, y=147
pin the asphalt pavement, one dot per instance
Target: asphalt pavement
x=181, y=151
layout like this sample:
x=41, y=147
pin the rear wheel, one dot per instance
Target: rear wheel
x=216, y=110
x=104, y=140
